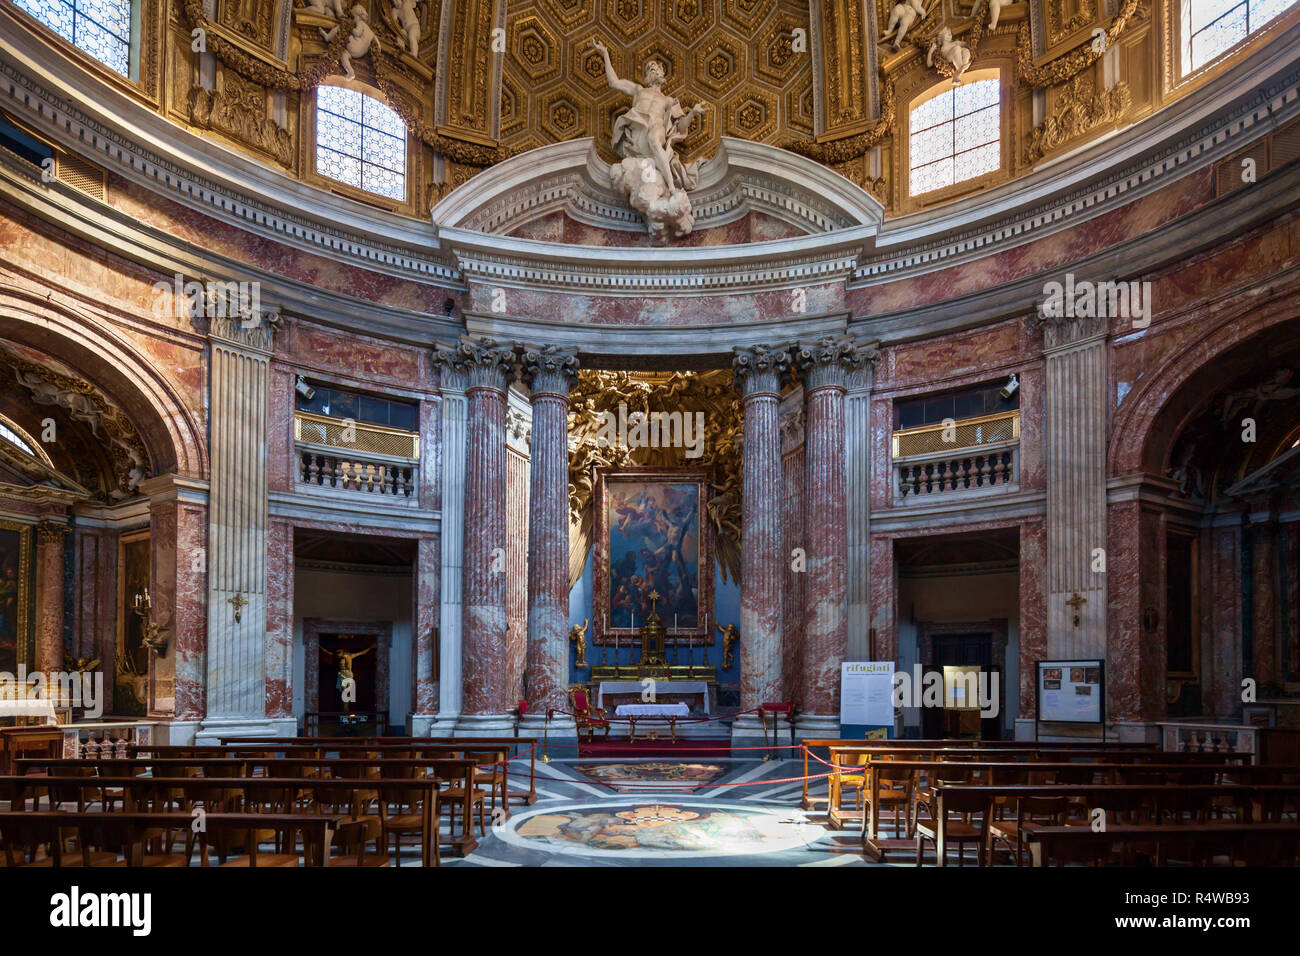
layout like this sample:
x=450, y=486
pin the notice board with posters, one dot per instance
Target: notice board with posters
x=1072, y=692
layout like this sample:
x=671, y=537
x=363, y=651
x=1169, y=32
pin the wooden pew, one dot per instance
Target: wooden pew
x=1253, y=843
x=452, y=771
x=496, y=756
x=140, y=792
x=529, y=797
x=24, y=828
x=876, y=848
x=1046, y=760
x=810, y=802
x=1250, y=801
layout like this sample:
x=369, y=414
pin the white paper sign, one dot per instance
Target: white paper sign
x=867, y=693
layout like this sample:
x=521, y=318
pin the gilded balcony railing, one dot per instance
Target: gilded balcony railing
x=956, y=436
x=960, y=457
x=348, y=435
x=352, y=456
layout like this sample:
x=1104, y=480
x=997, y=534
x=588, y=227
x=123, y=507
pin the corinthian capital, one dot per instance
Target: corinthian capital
x=486, y=363
x=826, y=361
x=759, y=368
x=549, y=368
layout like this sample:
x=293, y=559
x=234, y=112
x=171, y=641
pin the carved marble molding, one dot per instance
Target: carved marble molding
x=825, y=362
x=519, y=423
x=792, y=419
x=484, y=362
x=1064, y=332
x=549, y=367
x=759, y=368
x=743, y=176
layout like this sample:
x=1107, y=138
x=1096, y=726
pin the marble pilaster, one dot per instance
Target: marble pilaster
x=240, y=353
x=550, y=373
x=857, y=451
x=453, y=381
x=1075, y=436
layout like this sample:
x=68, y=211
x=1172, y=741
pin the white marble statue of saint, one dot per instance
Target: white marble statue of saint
x=650, y=173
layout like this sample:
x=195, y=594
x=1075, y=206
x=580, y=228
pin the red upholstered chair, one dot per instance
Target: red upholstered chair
x=588, y=717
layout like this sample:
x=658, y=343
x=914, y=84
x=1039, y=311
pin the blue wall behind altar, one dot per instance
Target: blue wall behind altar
x=726, y=610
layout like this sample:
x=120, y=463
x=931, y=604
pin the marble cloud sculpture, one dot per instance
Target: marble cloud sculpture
x=649, y=173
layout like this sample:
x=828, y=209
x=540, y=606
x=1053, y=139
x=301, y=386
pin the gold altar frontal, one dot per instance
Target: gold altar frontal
x=707, y=673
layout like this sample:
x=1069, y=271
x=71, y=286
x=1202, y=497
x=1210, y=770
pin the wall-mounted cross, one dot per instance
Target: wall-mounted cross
x=238, y=602
x=1076, y=601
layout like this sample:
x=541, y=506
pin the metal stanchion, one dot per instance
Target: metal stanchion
x=767, y=754
x=546, y=729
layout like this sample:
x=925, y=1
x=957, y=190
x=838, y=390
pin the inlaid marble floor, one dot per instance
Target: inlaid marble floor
x=664, y=812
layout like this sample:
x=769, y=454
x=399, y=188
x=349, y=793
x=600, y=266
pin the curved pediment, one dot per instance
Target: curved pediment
x=742, y=179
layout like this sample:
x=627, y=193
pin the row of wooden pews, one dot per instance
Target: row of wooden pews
x=1062, y=804
x=287, y=802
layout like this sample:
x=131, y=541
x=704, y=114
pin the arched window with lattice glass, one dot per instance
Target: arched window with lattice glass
x=101, y=28
x=955, y=135
x=1212, y=28
x=360, y=142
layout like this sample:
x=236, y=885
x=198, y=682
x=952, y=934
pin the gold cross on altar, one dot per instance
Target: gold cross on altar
x=654, y=597
x=238, y=602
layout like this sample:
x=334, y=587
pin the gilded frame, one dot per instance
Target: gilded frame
x=698, y=635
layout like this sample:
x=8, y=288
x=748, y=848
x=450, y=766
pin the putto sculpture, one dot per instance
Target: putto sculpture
x=650, y=173
x=904, y=14
x=954, y=51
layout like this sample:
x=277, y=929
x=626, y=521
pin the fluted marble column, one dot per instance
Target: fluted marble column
x=758, y=372
x=550, y=372
x=50, y=537
x=823, y=366
x=486, y=697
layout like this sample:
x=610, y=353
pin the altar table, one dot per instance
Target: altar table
x=678, y=709
x=663, y=688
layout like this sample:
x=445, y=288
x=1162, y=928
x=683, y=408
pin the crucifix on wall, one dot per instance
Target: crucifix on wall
x=1076, y=602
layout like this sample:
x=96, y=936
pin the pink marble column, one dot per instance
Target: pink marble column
x=279, y=620
x=1033, y=618
x=49, y=595
x=550, y=372
x=425, y=690
x=823, y=366
x=488, y=366
x=758, y=373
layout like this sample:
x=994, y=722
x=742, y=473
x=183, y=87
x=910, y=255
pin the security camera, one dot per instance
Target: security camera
x=1009, y=389
x=303, y=389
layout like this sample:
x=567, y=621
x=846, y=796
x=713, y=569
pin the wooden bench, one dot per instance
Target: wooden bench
x=838, y=817
x=811, y=801
x=1254, y=844
x=1251, y=803
x=488, y=755
x=528, y=796
x=29, y=830
x=227, y=794
x=458, y=774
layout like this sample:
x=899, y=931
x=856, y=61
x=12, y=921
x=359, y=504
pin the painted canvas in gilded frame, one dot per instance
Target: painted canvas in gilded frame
x=652, y=534
x=15, y=593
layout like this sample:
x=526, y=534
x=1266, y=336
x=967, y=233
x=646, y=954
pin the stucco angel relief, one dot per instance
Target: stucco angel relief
x=650, y=173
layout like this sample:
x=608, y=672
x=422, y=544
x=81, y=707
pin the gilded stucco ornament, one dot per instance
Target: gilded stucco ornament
x=649, y=172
